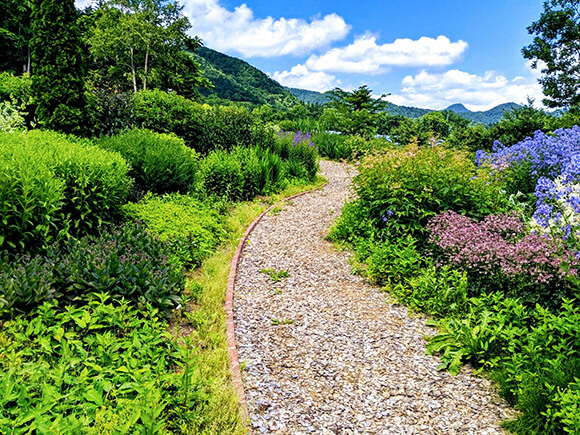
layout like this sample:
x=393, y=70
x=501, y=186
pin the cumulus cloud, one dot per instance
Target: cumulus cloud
x=240, y=31
x=365, y=56
x=301, y=77
x=477, y=92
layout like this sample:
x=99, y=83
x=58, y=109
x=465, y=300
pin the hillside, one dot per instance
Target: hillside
x=487, y=117
x=237, y=80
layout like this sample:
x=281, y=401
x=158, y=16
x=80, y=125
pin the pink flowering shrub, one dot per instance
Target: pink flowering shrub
x=499, y=255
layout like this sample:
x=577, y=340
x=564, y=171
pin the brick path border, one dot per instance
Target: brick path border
x=235, y=370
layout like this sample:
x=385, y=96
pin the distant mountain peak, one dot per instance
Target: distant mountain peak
x=458, y=108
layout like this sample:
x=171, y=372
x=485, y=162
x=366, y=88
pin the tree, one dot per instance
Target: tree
x=354, y=112
x=359, y=99
x=58, y=85
x=15, y=36
x=138, y=37
x=557, y=46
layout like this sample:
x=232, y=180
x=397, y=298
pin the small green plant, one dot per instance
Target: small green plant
x=275, y=275
x=278, y=322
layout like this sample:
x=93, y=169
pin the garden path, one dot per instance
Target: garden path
x=324, y=352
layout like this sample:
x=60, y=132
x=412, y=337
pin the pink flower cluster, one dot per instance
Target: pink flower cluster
x=499, y=244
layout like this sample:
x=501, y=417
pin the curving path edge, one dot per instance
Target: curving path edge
x=235, y=370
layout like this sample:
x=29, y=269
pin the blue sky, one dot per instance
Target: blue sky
x=425, y=53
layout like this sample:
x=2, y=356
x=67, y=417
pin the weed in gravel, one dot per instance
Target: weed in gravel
x=275, y=275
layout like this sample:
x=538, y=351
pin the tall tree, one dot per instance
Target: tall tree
x=15, y=36
x=557, y=45
x=136, y=37
x=58, y=84
x=359, y=99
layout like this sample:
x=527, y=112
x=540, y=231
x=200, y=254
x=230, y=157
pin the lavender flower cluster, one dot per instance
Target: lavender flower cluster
x=499, y=244
x=300, y=137
x=555, y=163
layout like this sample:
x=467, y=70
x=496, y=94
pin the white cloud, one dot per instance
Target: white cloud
x=438, y=91
x=301, y=77
x=240, y=31
x=365, y=56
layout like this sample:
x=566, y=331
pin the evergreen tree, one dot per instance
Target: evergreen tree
x=57, y=66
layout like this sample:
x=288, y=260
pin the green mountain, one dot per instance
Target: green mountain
x=488, y=117
x=236, y=80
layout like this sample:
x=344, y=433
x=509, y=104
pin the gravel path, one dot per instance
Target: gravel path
x=323, y=350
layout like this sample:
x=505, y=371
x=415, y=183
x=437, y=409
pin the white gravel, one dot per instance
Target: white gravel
x=324, y=352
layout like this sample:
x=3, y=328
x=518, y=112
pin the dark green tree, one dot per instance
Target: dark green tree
x=15, y=36
x=557, y=44
x=359, y=99
x=58, y=85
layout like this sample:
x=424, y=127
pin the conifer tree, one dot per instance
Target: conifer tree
x=58, y=70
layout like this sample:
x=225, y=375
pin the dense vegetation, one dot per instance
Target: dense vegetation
x=115, y=242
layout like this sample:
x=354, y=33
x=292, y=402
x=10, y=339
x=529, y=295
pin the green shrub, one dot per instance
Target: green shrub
x=299, y=153
x=122, y=262
x=437, y=291
x=222, y=176
x=333, y=146
x=400, y=189
x=113, y=111
x=204, y=128
x=533, y=353
x=11, y=119
x=16, y=88
x=53, y=184
x=160, y=163
x=190, y=227
x=103, y=368
x=393, y=263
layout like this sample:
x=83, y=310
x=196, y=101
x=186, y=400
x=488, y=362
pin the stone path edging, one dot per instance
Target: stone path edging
x=235, y=370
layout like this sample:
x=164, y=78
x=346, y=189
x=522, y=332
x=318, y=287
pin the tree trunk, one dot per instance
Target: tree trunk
x=133, y=72
x=145, y=70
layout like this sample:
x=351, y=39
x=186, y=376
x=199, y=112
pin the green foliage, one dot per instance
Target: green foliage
x=122, y=262
x=112, y=110
x=534, y=354
x=105, y=368
x=15, y=30
x=203, y=128
x=160, y=163
x=138, y=38
x=275, y=275
x=191, y=228
x=333, y=146
x=53, y=185
x=556, y=43
x=401, y=189
x=16, y=88
x=58, y=83
x=392, y=263
x=11, y=118
x=437, y=291
x=360, y=99
x=516, y=125
x=221, y=173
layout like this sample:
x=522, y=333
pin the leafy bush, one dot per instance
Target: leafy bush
x=333, y=146
x=53, y=184
x=122, y=262
x=190, y=227
x=393, y=263
x=204, y=128
x=11, y=118
x=498, y=255
x=440, y=291
x=299, y=153
x=160, y=163
x=533, y=353
x=221, y=173
x=103, y=368
x=400, y=189
x=112, y=110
